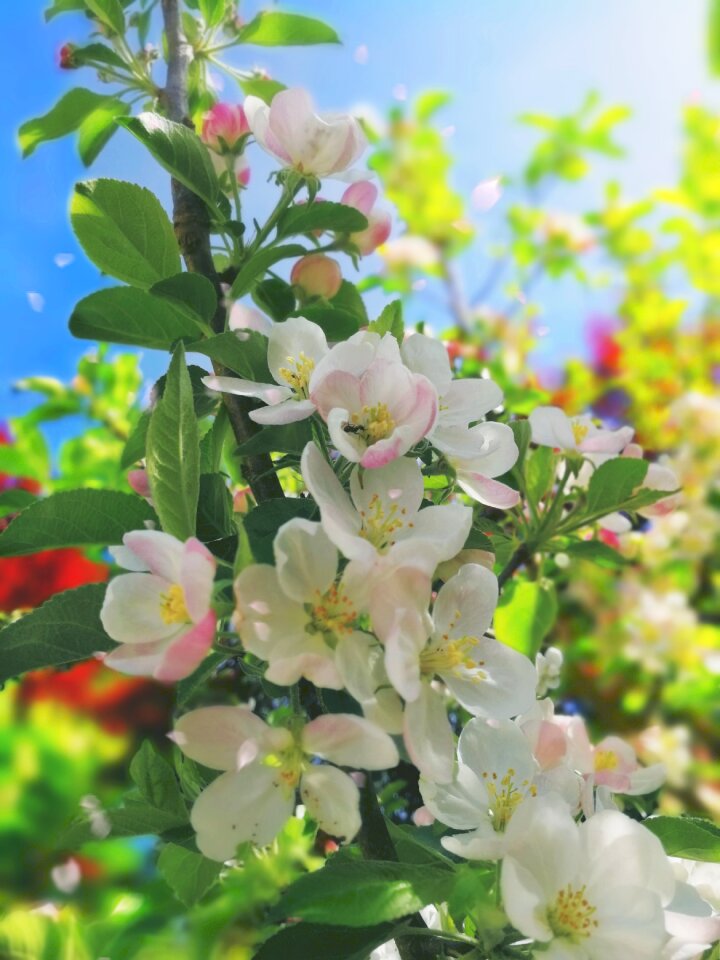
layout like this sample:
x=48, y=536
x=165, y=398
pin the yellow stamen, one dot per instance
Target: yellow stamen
x=505, y=796
x=606, y=760
x=380, y=523
x=580, y=431
x=452, y=657
x=373, y=423
x=297, y=373
x=290, y=765
x=173, y=608
x=572, y=915
x=333, y=614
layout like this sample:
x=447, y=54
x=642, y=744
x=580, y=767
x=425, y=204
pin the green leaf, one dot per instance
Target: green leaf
x=94, y=53
x=30, y=935
x=212, y=11
x=417, y=844
x=156, y=781
x=713, y=36
x=259, y=264
x=262, y=523
x=64, y=6
x=348, y=298
x=124, y=230
x=66, y=116
x=63, y=630
x=109, y=12
x=253, y=86
x=131, y=316
x=179, y=151
x=134, y=448
x=539, y=474
x=188, y=874
x=286, y=30
x=189, y=291
x=97, y=128
x=522, y=433
x=136, y=818
x=275, y=297
x=74, y=518
x=324, y=942
x=173, y=452
x=285, y=438
x=13, y=501
x=358, y=894
x=247, y=357
x=390, y=321
x=336, y=324
x=690, y=837
x=321, y=215
x=526, y=614
x=215, y=524
x=614, y=482
x=597, y=552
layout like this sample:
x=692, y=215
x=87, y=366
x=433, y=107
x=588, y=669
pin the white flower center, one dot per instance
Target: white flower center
x=372, y=423
x=580, y=431
x=606, y=760
x=297, y=374
x=452, y=656
x=332, y=614
x=505, y=795
x=380, y=523
x=572, y=914
x=173, y=608
x=290, y=765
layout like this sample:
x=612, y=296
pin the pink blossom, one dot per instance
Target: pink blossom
x=225, y=128
x=160, y=612
x=362, y=196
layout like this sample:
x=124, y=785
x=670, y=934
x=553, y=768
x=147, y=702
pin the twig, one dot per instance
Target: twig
x=192, y=229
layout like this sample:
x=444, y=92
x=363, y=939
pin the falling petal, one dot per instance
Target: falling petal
x=63, y=259
x=36, y=301
x=486, y=194
x=399, y=91
x=361, y=54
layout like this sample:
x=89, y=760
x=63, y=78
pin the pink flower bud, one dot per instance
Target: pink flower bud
x=225, y=127
x=240, y=500
x=138, y=480
x=317, y=276
x=67, y=57
x=362, y=196
x=242, y=171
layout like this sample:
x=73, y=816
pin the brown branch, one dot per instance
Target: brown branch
x=192, y=229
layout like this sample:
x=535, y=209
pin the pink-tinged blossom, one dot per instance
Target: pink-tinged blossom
x=478, y=453
x=294, y=349
x=244, y=319
x=312, y=144
x=225, y=128
x=264, y=766
x=586, y=891
x=317, y=276
x=551, y=427
x=376, y=408
x=139, y=483
x=363, y=197
x=160, y=613
x=298, y=615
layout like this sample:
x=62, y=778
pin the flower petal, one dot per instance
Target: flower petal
x=349, y=741
x=428, y=735
x=332, y=800
x=305, y=560
x=465, y=605
x=217, y=736
x=132, y=609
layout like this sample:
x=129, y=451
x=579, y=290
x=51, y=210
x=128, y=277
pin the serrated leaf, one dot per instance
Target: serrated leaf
x=156, y=781
x=189, y=291
x=212, y=11
x=94, y=53
x=124, y=230
x=65, y=629
x=689, y=837
x=259, y=264
x=66, y=116
x=348, y=298
x=525, y=615
x=613, y=482
x=336, y=324
x=188, y=874
x=272, y=29
x=540, y=469
x=287, y=438
x=63, y=6
x=74, y=518
x=134, y=448
x=359, y=894
x=131, y=316
x=179, y=150
x=264, y=521
x=246, y=357
x=173, y=452
x=390, y=321
x=597, y=552
x=321, y=215
x=15, y=500
x=274, y=297
x=253, y=86
x=109, y=12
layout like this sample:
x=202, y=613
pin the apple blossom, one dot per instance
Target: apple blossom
x=551, y=427
x=410, y=252
x=363, y=196
x=588, y=891
x=317, y=276
x=263, y=767
x=692, y=918
x=295, y=615
x=243, y=318
x=496, y=774
x=294, y=348
x=225, y=128
x=311, y=144
x=376, y=408
x=160, y=613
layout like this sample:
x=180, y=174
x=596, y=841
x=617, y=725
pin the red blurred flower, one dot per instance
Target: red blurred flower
x=29, y=581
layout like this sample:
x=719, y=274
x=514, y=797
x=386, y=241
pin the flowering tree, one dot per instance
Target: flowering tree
x=382, y=505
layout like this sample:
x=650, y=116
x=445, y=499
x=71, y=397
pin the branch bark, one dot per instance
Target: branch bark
x=192, y=229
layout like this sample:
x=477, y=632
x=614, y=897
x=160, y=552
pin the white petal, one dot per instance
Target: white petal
x=248, y=805
x=131, y=611
x=162, y=553
x=216, y=736
x=305, y=560
x=286, y=411
x=443, y=530
x=396, y=491
x=290, y=339
x=332, y=800
x=270, y=624
x=466, y=603
x=267, y=392
x=508, y=686
x=340, y=520
x=349, y=741
x=552, y=428
x=430, y=358
x=495, y=749
x=462, y=803
x=429, y=737
x=355, y=656
x=466, y=401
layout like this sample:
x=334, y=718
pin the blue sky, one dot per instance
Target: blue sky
x=498, y=58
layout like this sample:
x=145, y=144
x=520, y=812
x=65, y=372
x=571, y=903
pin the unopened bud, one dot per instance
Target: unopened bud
x=317, y=276
x=67, y=57
x=225, y=128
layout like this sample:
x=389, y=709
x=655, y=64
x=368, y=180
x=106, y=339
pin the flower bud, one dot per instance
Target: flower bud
x=362, y=197
x=225, y=128
x=317, y=276
x=67, y=57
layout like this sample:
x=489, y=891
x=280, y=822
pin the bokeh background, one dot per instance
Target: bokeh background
x=593, y=282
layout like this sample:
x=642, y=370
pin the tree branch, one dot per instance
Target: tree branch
x=192, y=229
